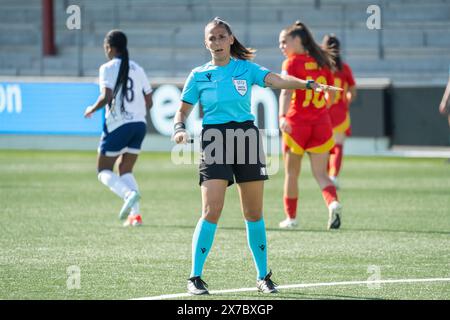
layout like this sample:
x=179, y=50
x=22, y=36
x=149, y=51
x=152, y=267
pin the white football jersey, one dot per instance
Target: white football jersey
x=133, y=99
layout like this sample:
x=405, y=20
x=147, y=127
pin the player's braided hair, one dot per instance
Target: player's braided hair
x=332, y=43
x=117, y=39
x=324, y=57
x=237, y=50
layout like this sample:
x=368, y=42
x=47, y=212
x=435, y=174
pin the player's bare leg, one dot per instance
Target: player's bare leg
x=319, y=163
x=292, y=165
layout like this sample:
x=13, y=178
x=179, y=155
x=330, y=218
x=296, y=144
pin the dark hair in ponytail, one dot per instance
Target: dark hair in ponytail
x=117, y=39
x=332, y=43
x=323, y=57
x=237, y=50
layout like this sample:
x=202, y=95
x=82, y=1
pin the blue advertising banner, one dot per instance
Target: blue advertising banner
x=48, y=108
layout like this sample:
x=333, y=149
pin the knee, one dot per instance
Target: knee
x=212, y=211
x=253, y=214
x=292, y=172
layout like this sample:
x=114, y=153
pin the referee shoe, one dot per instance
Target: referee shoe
x=266, y=285
x=197, y=286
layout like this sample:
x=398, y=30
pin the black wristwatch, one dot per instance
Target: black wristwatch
x=309, y=83
x=178, y=127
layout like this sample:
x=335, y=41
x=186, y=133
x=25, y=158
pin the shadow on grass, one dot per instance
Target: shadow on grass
x=344, y=230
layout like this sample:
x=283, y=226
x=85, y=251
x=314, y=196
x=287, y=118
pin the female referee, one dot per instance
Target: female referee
x=339, y=111
x=126, y=92
x=223, y=88
x=305, y=122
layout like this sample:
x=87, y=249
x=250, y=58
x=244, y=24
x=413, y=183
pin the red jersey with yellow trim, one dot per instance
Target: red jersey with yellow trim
x=342, y=79
x=307, y=106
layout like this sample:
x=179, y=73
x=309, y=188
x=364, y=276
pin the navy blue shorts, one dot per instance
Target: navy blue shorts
x=125, y=139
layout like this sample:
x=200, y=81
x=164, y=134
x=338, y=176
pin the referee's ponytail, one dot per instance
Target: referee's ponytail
x=237, y=50
x=117, y=39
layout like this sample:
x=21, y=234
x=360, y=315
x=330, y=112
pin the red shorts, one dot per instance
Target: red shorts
x=340, y=119
x=315, y=138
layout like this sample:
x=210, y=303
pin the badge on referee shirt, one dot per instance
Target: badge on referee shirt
x=241, y=86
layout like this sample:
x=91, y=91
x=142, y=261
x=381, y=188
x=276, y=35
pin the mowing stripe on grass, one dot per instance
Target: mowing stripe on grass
x=303, y=285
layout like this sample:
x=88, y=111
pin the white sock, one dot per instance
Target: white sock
x=113, y=181
x=130, y=181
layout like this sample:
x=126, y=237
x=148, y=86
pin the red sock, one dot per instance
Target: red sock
x=335, y=161
x=329, y=194
x=290, y=207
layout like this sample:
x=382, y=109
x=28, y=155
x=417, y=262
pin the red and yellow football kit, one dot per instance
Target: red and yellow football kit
x=308, y=115
x=339, y=111
x=340, y=117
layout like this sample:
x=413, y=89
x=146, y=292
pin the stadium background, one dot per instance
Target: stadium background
x=401, y=69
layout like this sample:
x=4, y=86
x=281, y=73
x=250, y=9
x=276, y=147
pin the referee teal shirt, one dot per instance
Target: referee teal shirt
x=224, y=91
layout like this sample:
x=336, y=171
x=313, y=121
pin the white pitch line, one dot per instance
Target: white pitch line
x=296, y=286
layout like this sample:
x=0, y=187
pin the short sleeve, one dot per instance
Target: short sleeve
x=105, y=78
x=190, y=92
x=259, y=74
x=146, y=87
x=349, y=75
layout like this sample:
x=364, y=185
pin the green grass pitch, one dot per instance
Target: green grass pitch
x=55, y=214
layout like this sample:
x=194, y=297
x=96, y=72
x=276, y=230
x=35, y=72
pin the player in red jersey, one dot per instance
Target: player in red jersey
x=305, y=122
x=339, y=111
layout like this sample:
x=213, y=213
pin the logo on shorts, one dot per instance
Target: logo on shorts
x=263, y=172
x=241, y=86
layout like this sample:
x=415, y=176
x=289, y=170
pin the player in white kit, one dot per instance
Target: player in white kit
x=126, y=93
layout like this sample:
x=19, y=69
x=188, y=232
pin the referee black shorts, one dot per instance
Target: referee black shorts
x=232, y=151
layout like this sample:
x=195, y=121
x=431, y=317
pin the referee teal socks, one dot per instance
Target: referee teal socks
x=202, y=241
x=203, y=238
x=256, y=237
